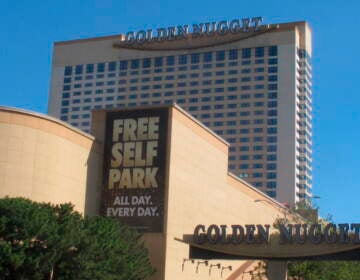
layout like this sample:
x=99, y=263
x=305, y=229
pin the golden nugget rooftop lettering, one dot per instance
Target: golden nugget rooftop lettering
x=207, y=28
x=288, y=234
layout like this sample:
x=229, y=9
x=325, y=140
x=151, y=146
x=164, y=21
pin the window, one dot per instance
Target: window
x=100, y=67
x=272, y=139
x=271, y=166
x=170, y=60
x=273, y=51
x=182, y=59
x=272, y=61
x=272, y=113
x=272, y=69
x=272, y=87
x=272, y=95
x=259, y=52
x=112, y=66
x=195, y=58
x=257, y=175
x=271, y=185
x=271, y=148
x=271, y=157
x=207, y=57
x=220, y=55
x=68, y=70
x=146, y=63
x=272, y=104
x=271, y=175
x=233, y=54
x=78, y=69
x=123, y=65
x=272, y=130
x=246, y=53
x=158, y=61
x=271, y=193
x=134, y=64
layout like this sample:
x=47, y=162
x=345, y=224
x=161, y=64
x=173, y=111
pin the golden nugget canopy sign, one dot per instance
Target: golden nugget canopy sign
x=287, y=234
x=282, y=242
x=134, y=167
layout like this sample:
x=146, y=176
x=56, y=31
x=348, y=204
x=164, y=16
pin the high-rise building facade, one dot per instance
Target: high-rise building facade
x=251, y=84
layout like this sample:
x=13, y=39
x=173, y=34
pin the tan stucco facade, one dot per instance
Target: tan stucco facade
x=199, y=191
x=44, y=159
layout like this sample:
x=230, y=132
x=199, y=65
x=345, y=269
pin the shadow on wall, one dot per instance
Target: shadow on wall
x=93, y=180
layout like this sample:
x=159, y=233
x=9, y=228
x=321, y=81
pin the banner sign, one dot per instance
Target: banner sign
x=134, y=168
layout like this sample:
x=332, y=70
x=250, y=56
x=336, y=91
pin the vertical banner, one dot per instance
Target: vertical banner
x=134, y=168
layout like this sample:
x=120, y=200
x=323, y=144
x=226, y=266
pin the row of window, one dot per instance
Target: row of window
x=193, y=91
x=268, y=148
x=269, y=166
x=269, y=104
x=269, y=175
x=258, y=95
x=171, y=60
x=270, y=78
x=269, y=157
x=272, y=69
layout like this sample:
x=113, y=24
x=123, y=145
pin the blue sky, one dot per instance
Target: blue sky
x=29, y=28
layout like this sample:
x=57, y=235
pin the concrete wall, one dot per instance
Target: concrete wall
x=44, y=159
x=202, y=192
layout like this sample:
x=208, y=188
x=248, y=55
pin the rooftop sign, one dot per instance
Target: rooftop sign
x=196, y=30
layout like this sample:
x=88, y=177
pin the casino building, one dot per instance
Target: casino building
x=164, y=173
x=45, y=159
x=250, y=83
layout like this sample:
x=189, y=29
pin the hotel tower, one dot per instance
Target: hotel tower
x=248, y=82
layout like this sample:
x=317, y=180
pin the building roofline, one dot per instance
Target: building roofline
x=269, y=199
x=282, y=26
x=46, y=117
x=173, y=105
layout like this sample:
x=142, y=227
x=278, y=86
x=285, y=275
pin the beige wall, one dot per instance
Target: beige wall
x=202, y=192
x=199, y=191
x=44, y=159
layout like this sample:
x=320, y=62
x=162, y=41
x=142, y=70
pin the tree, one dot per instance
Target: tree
x=321, y=270
x=44, y=241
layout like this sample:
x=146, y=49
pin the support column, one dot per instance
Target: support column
x=277, y=270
